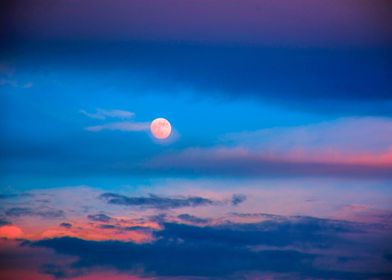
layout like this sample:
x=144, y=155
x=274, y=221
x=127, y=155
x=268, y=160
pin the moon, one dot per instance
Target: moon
x=160, y=128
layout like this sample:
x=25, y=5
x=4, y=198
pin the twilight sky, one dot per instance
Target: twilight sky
x=279, y=165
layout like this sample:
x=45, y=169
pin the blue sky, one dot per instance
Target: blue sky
x=44, y=126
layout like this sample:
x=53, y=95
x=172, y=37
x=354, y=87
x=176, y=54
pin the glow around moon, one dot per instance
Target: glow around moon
x=160, y=128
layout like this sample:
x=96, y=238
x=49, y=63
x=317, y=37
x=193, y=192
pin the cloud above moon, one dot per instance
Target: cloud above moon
x=102, y=114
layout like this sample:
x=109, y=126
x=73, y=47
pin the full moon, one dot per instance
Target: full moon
x=160, y=128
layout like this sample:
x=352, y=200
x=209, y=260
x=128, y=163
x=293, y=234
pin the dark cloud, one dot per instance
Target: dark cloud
x=255, y=215
x=172, y=259
x=159, y=218
x=66, y=225
x=4, y=222
x=344, y=81
x=18, y=211
x=310, y=225
x=193, y=219
x=125, y=228
x=237, y=199
x=155, y=201
x=388, y=257
x=40, y=212
x=224, y=252
x=305, y=232
x=99, y=218
x=107, y=226
x=137, y=228
x=14, y=195
x=7, y=196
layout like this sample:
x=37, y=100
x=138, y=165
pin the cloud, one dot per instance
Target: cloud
x=40, y=212
x=99, y=218
x=8, y=196
x=193, y=219
x=107, y=226
x=66, y=225
x=18, y=260
x=185, y=241
x=139, y=228
x=102, y=114
x=316, y=80
x=344, y=147
x=237, y=199
x=14, y=195
x=171, y=259
x=301, y=246
x=364, y=213
x=4, y=222
x=120, y=126
x=354, y=135
x=239, y=161
x=155, y=201
x=10, y=231
x=281, y=232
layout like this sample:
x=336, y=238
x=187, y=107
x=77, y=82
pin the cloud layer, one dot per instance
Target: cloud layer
x=234, y=250
x=154, y=201
x=346, y=147
x=177, y=234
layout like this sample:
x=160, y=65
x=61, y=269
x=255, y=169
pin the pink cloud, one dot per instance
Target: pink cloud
x=355, y=145
x=11, y=232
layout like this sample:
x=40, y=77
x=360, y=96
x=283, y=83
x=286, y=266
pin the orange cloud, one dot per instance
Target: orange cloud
x=10, y=232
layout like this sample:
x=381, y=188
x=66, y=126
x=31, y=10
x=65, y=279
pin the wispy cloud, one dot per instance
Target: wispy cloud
x=354, y=135
x=102, y=114
x=120, y=126
x=124, y=125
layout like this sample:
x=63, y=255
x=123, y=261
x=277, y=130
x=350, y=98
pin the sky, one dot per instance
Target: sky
x=279, y=162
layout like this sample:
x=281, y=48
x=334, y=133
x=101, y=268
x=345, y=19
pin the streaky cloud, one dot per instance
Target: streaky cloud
x=343, y=147
x=102, y=114
x=120, y=126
